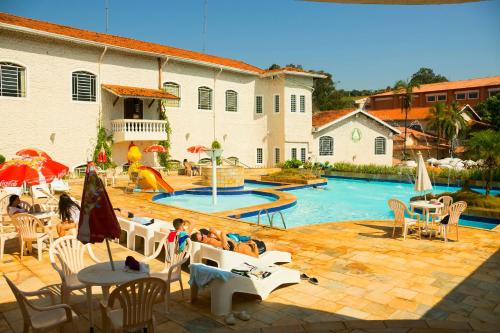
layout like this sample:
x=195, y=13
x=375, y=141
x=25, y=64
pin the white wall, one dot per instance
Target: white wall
x=361, y=152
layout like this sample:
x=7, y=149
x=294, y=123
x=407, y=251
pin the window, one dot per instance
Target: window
x=276, y=103
x=84, y=89
x=204, y=98
x=231, y=101
x=460, y=96
x=174, y=89
x=303, y=155
x=326, y=146
x=259, y=155
x=302, y=103
x=276, y=155
x=441, y=98
x=258, y=104
x=493, y=92
x=379, y=145
x=294, y=153
x=473, y=95
x=12, y=80
x=431, y=98
x=434, y=98
x=293, y=103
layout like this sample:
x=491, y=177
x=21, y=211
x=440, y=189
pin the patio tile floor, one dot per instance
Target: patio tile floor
x=368, y=281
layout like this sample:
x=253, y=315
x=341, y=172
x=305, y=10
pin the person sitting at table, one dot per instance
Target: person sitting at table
x=69, y=212
x=15, y=205
x=190, y=169
x=252, y=248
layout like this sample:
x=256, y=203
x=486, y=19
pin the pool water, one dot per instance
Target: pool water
x=203, y=203
x=350, y=199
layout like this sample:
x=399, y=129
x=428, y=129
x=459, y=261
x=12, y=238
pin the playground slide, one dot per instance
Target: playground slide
x=152, y=179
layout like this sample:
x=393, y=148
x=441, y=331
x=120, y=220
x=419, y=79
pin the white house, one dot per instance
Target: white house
x=353, y=136
x=58, y=83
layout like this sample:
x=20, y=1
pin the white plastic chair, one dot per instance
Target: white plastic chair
x=27, y=226
x=6, y=233
x=229, y=259
x=69, y=251
x=4, y=204
x=454, y=212
x=400, y=209
x=42, y=318
x=174, y=259
x=129, y=227
x=447, y=201
x=14, y=190
x=136, y=300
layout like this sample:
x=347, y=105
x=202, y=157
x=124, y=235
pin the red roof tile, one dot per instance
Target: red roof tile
x=324, y=117
x=123, y=42
x=396, y=114
x=125, y=91
x=453, y=85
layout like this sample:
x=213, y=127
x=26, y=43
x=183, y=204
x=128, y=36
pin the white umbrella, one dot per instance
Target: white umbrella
x=423, y=182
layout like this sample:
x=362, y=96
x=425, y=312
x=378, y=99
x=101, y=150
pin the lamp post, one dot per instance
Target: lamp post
x=213, y=154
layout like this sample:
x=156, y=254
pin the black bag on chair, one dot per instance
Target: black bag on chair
x=445, y=219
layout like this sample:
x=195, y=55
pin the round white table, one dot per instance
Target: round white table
x=101, y=275
x=426, y=207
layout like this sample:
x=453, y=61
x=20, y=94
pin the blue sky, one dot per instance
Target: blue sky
x=363, y=46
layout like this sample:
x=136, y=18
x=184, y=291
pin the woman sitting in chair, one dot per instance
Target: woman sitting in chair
x=69, y=212
x=15, y=206
x=190, y=169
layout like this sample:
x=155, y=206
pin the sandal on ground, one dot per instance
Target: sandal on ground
x=313, y=280
x=243, y=315
x=304, y=276
x=230, y=320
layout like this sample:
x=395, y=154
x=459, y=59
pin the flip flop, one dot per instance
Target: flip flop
x=313, y=280
x=230, y=320
x=304, y=276
x=243, y=315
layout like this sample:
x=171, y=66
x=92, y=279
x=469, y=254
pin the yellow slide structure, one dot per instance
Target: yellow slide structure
x=150, y=179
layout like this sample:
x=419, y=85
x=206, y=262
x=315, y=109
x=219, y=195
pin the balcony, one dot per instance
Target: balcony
x=138, y=129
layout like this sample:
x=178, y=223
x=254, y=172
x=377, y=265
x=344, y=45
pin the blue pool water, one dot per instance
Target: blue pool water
x=203, y=203
x=349, y=199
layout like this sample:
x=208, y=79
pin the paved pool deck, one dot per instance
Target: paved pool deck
x=368, y=281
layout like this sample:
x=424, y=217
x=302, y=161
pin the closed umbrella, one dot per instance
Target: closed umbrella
x=33, y=152
x=422, y=182
x=31, y=170
x=97, y=219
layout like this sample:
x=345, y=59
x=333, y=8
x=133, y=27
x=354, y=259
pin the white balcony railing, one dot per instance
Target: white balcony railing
x=138, y=129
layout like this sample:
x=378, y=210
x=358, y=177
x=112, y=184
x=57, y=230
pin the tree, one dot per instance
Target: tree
x=453, y=122
x=435, y=122
x=405, y=87
x=294, y=66
x=274, y=66
x=485, y=145
x=489, y=110
x=426, y=75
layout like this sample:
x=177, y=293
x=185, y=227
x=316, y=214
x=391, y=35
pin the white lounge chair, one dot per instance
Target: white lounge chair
x=59, y=185
x=229, y=259
x=128, y=226
x=222, y=291
x=144, y=232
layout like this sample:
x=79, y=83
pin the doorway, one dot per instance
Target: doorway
x=132, y=108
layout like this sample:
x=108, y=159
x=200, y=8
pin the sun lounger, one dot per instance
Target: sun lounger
x=228, y=259
x=59, y=185
x=222, y=291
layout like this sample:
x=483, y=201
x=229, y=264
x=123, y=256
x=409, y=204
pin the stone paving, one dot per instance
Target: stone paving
x=368, y=281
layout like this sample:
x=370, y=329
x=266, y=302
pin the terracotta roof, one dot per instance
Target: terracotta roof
x=324, y=117
x=396, y=114
x=418, y=135
x=417, y=147
x=453, y=85
x=122, y=42
x=124, y=91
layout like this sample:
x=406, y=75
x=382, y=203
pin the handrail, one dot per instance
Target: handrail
x=268, y=217
x=282, y=218
x=236, y=163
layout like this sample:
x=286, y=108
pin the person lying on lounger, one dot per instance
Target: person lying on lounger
x=253, y=247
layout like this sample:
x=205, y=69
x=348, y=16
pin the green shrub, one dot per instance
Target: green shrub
x=291, y=175
x=473, y=198
x=216, y=145
x=2, y=159
x=292, y=164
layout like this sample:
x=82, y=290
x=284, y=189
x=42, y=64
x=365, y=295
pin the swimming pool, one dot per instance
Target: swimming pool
x=203, y=203
x=352, y=199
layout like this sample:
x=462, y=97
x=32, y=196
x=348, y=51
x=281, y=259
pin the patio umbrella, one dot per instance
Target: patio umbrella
x=197, y=149
x=155, y=149
x=422, y=182
x=97, y=219
x=33, y=152
x=32, y=170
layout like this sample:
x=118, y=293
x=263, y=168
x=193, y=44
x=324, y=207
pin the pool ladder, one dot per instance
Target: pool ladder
x=270, y=217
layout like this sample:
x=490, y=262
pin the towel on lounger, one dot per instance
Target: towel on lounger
x=201, y=274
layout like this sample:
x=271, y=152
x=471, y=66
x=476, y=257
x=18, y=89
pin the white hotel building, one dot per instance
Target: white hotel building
x=58, y=82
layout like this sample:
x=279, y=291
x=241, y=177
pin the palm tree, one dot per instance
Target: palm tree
x=453, y=122
x=405, y=88
x=435, y=122
x=485, y=145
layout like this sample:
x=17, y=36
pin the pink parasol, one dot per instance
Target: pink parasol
x=155, y=149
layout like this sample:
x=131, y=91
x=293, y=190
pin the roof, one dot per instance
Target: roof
x=123, y=43
x=125, y=91
x=418, y=134
x=418, y=147
x=453, y=85
x=335, y=116
x=292, y=71
x=416, y=113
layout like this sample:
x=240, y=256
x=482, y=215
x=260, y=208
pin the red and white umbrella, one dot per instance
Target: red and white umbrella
x=155, y=149
x=197, y=149
x=32, y=170
x=97, y=219
x=33, y=152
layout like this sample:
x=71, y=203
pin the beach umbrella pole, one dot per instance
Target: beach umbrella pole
x=109, y=254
